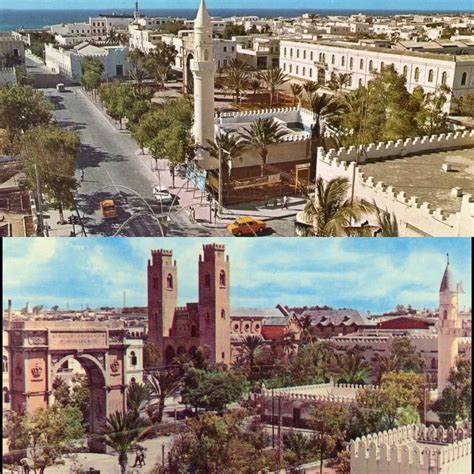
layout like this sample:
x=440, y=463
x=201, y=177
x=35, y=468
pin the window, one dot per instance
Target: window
x=223, y=355
x=417, y=74
x=434, y=363
x=236, y=327
x=155, y=283
x=343, y=60
x=444, y=78
x=223, y=314
x=194, y=332
x=222, y=278
x=296, y=69
x=133, y=358
x=291, y=68
x=371, y=65
x=351, y=63
x=304, y=54
x=382, y=65
x=320, y=57
x=247, y=327
x=225, y=49
x=360, y=82
x=333, y=59
x=119, y=69
x=284, y=52
x=463, y=78
x=6, y=395
x=297, y=53
x=133, y=380
x=208, y=317
x=257, y=327
x=291, y=52
x=430, y=75
x=405, y=71
x=207, y=280
x=4, y=364
x=311, y=56
x=310, y=72
x=445, y=314
x=169, y=281
x=304, y=71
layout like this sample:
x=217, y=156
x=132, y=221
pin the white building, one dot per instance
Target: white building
x=68, y=62
x=316, y=60
x=259, y=52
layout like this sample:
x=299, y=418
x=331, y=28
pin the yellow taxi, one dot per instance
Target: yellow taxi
x=246, y=226
x=108, y=208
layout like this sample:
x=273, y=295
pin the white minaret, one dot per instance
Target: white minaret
x=203, y=69
x=449, y=327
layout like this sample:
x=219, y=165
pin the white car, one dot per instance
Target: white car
x=162, y=194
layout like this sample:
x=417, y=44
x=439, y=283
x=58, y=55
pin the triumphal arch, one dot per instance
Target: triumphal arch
x=38, y=350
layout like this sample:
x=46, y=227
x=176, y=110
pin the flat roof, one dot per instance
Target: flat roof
x=421, y=176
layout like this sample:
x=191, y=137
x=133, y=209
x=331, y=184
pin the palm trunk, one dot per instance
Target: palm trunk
x=123, y=460
x=161, y=409
x=314, y=143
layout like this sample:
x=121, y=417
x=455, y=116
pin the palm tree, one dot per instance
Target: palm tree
x=352, y=368
x=299, y=448
x=331, y=212
x=384, y=363
x=387, y=223
x=138, y=395
x=251, y=346
x=310, y=87
x=237, y=77
x=325, y=108
x=161, y=386
x=261, y=134
x=255, y=85
x=305, y=323
x=339, y=81
x=122, y=432
x=296, y=90
x=229, y=143
x=273, y=78
x=138, y=75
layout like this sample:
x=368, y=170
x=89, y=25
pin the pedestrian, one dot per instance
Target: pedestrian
x=82, y=174
x=266, y=201
x=75, y=94
x=137, y=459
x=216, y=212
x=285, y=202
x=192, y=214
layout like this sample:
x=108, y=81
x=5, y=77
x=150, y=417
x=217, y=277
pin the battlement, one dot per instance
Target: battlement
x=162, y=253
x=433, y=220
x=411, y=446
x=214, y=247
x=261, y=113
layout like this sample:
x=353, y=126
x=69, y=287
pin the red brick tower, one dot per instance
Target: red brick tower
x=214, y=307
x=162, y=296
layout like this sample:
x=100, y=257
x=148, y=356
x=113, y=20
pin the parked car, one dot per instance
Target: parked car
x=162, y=194
x=246, y=226
x=108, y=208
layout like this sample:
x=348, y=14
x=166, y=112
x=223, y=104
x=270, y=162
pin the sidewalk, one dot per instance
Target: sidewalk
x=204, y=214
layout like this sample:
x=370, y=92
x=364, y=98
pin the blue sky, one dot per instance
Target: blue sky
x=460, y=5
x=366, y=274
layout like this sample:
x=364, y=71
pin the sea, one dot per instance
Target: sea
x=11, y=20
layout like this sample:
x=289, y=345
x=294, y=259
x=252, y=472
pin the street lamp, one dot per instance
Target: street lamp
x=229, y=161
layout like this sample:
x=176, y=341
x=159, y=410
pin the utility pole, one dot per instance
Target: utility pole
x=124, y=299
x=40, y=229
x=273, y=418
x=279, y=434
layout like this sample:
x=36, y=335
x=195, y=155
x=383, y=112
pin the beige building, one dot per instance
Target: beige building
x=316, y=60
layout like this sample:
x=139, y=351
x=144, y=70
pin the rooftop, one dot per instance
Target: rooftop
x=422, y=176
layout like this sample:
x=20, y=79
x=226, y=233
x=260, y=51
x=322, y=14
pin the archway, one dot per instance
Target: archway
x=188, y=80
x=169, y=355
x=97, y=409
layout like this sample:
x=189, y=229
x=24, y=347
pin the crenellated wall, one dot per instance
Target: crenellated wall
x=412, y=449
x=415, y=218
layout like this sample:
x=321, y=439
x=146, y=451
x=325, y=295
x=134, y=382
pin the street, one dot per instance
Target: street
x=111, y=167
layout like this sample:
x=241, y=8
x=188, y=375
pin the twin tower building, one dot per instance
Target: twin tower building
x=206, y=324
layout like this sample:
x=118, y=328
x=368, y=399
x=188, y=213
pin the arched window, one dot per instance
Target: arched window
x=434, y=363
x=222, y=314
x=371, y=65
x=304, y=54
x=133, y=380
x=324, y=57
x=405, y=71
x=236, y=326
x=291, y=68
x=351, y=63
x=4, y=364
x=297, y=53
x=430, y=75
x=194, y=332
x=320, y=57
x=222, y=278
x=417, y=74
x=155, y=283
x=343, y=60
x=291, y=52
x=464, y=78
x=304, y=71
x=361, y=64
x=360, y=82
x=284, y=52
x=310, y=72
x=445, y=314
x=444, y=78
x=133, y=358
x=296, y=70
x=207, y=280
x=382, y=65
x=311, y=55
x=6, y=395
x=169, y=281
x=333, y=59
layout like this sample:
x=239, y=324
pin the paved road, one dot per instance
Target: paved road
x=112, y=170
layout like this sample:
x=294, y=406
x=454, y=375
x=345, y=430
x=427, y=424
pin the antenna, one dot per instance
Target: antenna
x=124, y=299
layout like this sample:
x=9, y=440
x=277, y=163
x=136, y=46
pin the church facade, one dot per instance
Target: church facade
x=206, y=323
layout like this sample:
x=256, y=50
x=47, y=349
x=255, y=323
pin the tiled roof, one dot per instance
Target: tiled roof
x=255, y=312
x=337, y=317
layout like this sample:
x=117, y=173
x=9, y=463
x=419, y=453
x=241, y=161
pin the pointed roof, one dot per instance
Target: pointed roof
x=202, y=19
x=448, y=283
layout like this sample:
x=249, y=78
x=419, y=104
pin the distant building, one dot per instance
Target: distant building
x=68, y=62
